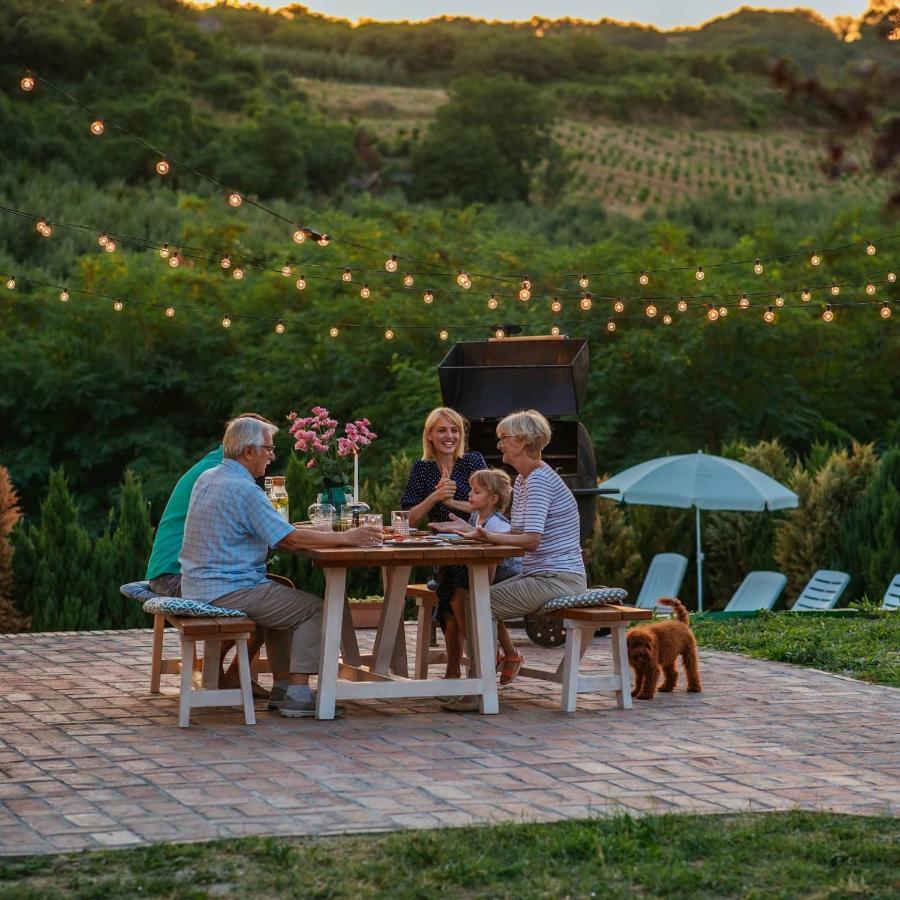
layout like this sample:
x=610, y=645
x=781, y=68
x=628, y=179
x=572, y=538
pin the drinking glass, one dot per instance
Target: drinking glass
x=400, y=522
x=374, y=520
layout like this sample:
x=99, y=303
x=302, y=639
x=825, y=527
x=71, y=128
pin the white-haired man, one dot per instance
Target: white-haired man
x=229, y=529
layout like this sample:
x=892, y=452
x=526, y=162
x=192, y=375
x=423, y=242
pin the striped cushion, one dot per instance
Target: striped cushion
x=172, y=606
x=591, y=597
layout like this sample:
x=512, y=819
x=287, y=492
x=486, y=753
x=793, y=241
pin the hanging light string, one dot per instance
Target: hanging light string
x=236, y=198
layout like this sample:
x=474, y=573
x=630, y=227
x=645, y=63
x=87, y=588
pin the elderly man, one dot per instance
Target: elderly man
x=229, y=529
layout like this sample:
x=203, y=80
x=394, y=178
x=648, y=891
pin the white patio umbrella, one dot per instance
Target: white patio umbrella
x=704, y=482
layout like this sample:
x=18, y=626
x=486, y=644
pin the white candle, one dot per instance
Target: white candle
x=355, y=477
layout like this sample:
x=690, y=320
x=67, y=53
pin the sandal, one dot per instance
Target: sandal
x=509, y=668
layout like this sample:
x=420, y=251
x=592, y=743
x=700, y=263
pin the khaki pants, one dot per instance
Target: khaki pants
x=524, y=594
x=167, y=585
x=291, y=621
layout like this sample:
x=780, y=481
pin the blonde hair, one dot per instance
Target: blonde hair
x=452, y=416
x=530, y=427
x=494, y=481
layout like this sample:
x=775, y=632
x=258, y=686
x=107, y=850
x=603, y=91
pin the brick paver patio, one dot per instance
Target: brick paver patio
x=89, y=758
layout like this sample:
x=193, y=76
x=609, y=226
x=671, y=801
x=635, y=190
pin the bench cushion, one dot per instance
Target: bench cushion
x=591, y=597
x=172, y=606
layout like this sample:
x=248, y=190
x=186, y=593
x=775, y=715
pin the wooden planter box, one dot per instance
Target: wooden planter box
x=366, y=614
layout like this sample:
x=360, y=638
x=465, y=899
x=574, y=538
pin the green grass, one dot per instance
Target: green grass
x=865, y=646
x=795, y=855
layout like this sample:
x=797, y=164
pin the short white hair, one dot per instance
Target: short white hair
x=530, y=427
x=246, y=432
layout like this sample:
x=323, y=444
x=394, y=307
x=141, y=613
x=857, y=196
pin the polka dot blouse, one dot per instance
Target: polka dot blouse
x=425, y=475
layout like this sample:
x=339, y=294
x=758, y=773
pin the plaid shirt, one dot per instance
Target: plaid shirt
x=229, y=528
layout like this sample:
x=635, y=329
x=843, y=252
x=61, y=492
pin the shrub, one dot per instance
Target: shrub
x=10, y=514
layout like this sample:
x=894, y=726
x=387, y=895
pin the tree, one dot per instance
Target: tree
x=10, y=514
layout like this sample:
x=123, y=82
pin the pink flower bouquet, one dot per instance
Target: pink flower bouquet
x=316, y=437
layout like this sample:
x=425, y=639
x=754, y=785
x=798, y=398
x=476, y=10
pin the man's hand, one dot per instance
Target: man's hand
x=456, y=525
x=364, y=536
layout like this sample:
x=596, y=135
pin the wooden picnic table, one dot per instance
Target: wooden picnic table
x=355, y=678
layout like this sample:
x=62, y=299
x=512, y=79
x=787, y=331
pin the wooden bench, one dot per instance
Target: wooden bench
x=212, y=631
x=580, y=624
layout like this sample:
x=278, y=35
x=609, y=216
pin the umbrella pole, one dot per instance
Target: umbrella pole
x=699, y=566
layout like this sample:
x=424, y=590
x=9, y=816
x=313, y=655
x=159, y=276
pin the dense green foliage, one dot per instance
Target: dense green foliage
x=794, y=854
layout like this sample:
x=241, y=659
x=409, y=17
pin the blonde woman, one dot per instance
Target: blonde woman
x=544, y=524
x=438, y=487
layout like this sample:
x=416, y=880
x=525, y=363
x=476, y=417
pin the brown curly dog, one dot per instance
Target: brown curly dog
x=657, y=646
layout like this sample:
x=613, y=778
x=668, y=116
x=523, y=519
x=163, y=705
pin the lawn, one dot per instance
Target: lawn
x=866, y=646
x=795, y=854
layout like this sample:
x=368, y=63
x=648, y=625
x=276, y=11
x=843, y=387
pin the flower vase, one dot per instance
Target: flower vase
x=335, y=494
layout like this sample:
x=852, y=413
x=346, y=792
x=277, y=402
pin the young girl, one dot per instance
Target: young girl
x=489, y=493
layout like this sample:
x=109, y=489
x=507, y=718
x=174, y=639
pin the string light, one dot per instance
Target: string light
x=618, y=306
x=234, y=199
x=885, y=311
x=333, y=331
x=391, y=264
x=163, y=167
x=43, y=228
x=237, y=273
x=681, y=306
x=650, y=309
x=11, y=282
x=408, y=280
x=667, y=319
x=555, y=306
x=461, y=279
x=700, y=274
x=443, y=334
x=610, y=326
x=835, y=289
x=583, y=282
x=500, y=333
x=389, y=334
x=279, y=327
x=175, y=260
x=346, y=275
x=586, y=302
x=64, y=295
x=299, y=236
x=644, y=278
x=226, y=261
x=103, y=240
x=300, y=283
x=723, y=311
x=428, y=297
x=164, y=251
x=779, y=300
x=805, y=295
x=110, y=246
x=758, y=267
x=712, y=313
x=226, y=322
x=815, y=259
x=492, y=303
x=828, y=314
x=744, y=301
x=324, y=240
x=891, y=277
x=286, y=270
x=870, y=249
x=97, y=127
x=118, y=305
x=526, y=283
x=769, y=315
x=525, y=291
x=170, y=312
x=554, y=330
x=364, y=292
x=26, y=82
x=870, y=289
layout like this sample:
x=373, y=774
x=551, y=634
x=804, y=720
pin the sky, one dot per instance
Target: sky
x=661, y=13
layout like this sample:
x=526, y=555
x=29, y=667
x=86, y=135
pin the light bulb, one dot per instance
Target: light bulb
x=43, y=228
x=238, y=273
x=891, y=277
x=583, y=282
x=428, y=297
x=235, y=199
x=682, y=305
x=118, y=305
x=700, y=274
x=805, y=295
x=667, y=319
x=554, y=330
x=346, y=275
x=97, y=127
x=870, y=288
x=712, y=314
x=618, y=306
x=11, y=283
x=324, y=240
x=769, y=315
x=103, y=240
x=492, y=303
x=408, y=280
x=870, y=249
x=835, y=289
x=586, y=302
x=279, y=327
x=226, y=322
x=461, y=278
x=286, y=270
x=164, y=251
x=110, y=246
x=364, y=292
x=744, y=301
x=443, y=334
x=651, y=310
x=170, y=311
x=779, y=300
x=299, y=236
x=26, y=82
x=758, y=267
x=526, y=283
x=524, y=294
x=828, y=314
x=885, y=311
x=389, y=334
x=723, y=311
x=499, y=333
x=556, y=306
x=163, y=167
x=610, y=326
x=333, y=331
x=64, y=295
x=226, y=261
x=174, y=260
x=300, y=283
x=644, y=279
x=391, y=264
x=815, y=259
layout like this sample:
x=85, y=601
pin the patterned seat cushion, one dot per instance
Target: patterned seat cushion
x=172, y=606
x=591, y=597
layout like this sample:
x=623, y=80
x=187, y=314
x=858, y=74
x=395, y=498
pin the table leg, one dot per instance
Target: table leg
x=483, y=649
x=385, y=652
x=349, y=644
x=335, y=593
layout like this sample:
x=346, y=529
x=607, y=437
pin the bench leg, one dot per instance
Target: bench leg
x=187, y=670
x=571, y=665
x=620, y=664
x=246, y=688
x=423, y=639
x=212, y=656
x=159, y=625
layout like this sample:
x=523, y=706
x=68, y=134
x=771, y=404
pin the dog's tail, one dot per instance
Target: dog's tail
x=677, y=607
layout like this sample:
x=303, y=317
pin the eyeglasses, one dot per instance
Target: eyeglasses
x=503, y=437
x=269, y=448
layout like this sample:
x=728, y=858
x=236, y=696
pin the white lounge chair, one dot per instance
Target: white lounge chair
x=892, y=595
x=759, y=590
x=822, y=591
x=663, y=579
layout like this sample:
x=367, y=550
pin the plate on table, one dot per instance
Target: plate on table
x=410, y=542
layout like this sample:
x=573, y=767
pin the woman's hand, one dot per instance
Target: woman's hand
x=456, y=525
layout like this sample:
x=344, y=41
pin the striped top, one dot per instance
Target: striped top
x=543, y=504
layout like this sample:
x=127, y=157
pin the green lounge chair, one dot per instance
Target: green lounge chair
x=759, y=590
x=663, y=579
x=822, y=591
x=892, y=595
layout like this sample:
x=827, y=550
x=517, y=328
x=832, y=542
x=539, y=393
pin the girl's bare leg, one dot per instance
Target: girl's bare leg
x=454, y=649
